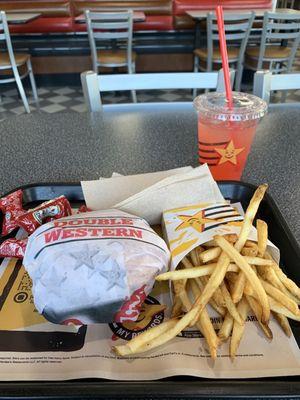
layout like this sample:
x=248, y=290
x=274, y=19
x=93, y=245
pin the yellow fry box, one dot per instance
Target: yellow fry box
x=186, y=228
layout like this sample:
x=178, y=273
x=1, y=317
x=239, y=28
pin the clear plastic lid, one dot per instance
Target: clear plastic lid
x=246, y=107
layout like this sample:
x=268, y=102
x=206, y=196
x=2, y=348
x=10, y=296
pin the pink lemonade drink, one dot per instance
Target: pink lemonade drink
x=225, y=135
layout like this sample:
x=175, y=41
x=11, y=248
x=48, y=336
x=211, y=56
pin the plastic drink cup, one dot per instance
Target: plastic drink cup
x=225, y=134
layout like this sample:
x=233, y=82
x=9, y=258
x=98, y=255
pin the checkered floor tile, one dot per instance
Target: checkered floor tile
x=59, y=99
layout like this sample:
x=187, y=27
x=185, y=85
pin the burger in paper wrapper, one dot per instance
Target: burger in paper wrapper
x=94, y=267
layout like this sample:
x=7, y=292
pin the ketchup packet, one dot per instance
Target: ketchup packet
x=94, y=267
x=13, y=248
x=53, y=209
x=11, y=206
x=83, y=209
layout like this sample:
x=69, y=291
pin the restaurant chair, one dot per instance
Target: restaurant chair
x=113, y=29
x=285, y=3
x=279, y=42
x=10, y=61
x=237, y=30
x=265, y=82
x=93, y=84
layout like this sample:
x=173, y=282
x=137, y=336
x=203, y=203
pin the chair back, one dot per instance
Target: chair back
x=237, y=31
x=265, y=82
x=280, y=28
x=5, y=38
x=285, y=3
x=113, y=29
x=93, y=84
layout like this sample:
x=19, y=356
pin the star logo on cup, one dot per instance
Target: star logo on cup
x=196, y=221
x=229, y=154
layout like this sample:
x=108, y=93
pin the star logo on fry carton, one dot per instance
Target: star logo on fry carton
x=229, y=154
x=196, y=221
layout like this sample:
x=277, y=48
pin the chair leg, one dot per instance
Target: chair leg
x=32, y=81
x=133, y=92
x=196, y=68
x=21, y=90
x=238, y=79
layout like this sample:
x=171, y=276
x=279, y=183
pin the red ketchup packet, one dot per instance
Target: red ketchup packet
x=53, y=209
x=13, y=248
x=11, y=207
x=83, y=209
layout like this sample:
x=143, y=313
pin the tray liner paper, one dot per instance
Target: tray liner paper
x=92, y=357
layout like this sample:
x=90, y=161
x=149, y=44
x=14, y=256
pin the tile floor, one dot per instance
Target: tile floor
x=58, y=99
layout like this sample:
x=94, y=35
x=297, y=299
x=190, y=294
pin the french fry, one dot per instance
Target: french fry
x=226, y=327
x=220, y=310
x=262, y=237
x=249, y=251
x=207, y=269
x=199, y=250
x=179, y=285
x=248, y=289
x=137, y=344
x=238, y=330
x=214, y=282
x=280, y=297
x=195, y=258
x=250, y=243
x=192, y=273
x=187, y=264
x=231, y=237
x=268, y=273
x=210, y=254
x=279, y=308
x=288, y=283
x=243, y=236
x=237, y=292
x=217, y=295
x=230, y=304
x=249, y=273
x=283, y=322
x=206, y=327
x=177, y=307
x=256, y=308
x=258, y=261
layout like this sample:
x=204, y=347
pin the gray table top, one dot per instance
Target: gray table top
x=70, y=147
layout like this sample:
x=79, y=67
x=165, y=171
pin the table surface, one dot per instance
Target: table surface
x=21, y=18
x=69, y=147
x=138, y=16
x=200, y=14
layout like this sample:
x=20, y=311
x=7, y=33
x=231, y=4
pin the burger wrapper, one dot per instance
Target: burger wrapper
x=185, y=228
x=94, y=267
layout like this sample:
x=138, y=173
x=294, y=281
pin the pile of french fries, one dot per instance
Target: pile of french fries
x=232, y=274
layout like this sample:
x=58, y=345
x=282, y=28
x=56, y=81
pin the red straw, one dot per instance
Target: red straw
x=223, y=48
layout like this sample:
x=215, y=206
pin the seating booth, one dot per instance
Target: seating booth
x=164, y=41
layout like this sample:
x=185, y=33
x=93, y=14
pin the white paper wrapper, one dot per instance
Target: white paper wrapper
x=94, y=267
x=190, y=187
x=106, y=192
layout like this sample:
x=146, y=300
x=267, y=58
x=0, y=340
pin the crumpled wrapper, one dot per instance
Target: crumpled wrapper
x=94, y=267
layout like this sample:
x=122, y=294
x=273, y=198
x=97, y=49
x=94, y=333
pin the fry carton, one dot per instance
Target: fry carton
x=186, y=228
